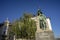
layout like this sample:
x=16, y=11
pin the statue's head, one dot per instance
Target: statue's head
x=39, y=12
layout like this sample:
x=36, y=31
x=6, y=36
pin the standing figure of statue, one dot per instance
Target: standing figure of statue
x=42, y=20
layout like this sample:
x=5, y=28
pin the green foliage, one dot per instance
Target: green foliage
x=25, y=27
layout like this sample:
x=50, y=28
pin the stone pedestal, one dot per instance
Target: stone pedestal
x=46, y=35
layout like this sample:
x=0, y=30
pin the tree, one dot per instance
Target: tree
x=28, y=26
x=25, y=27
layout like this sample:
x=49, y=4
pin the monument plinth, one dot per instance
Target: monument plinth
x=46, y=35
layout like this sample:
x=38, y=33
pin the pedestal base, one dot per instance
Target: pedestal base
x=46, y=35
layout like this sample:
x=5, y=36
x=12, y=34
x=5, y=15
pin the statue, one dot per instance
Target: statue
x=42, y=19
x=44, y=33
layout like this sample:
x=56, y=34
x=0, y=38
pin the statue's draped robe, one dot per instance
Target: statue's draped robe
x=42, y=22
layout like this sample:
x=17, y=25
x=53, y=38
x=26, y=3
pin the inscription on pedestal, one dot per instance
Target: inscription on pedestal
x=44, y=36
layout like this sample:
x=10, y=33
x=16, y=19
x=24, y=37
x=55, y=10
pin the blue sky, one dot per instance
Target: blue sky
x=14, y=9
